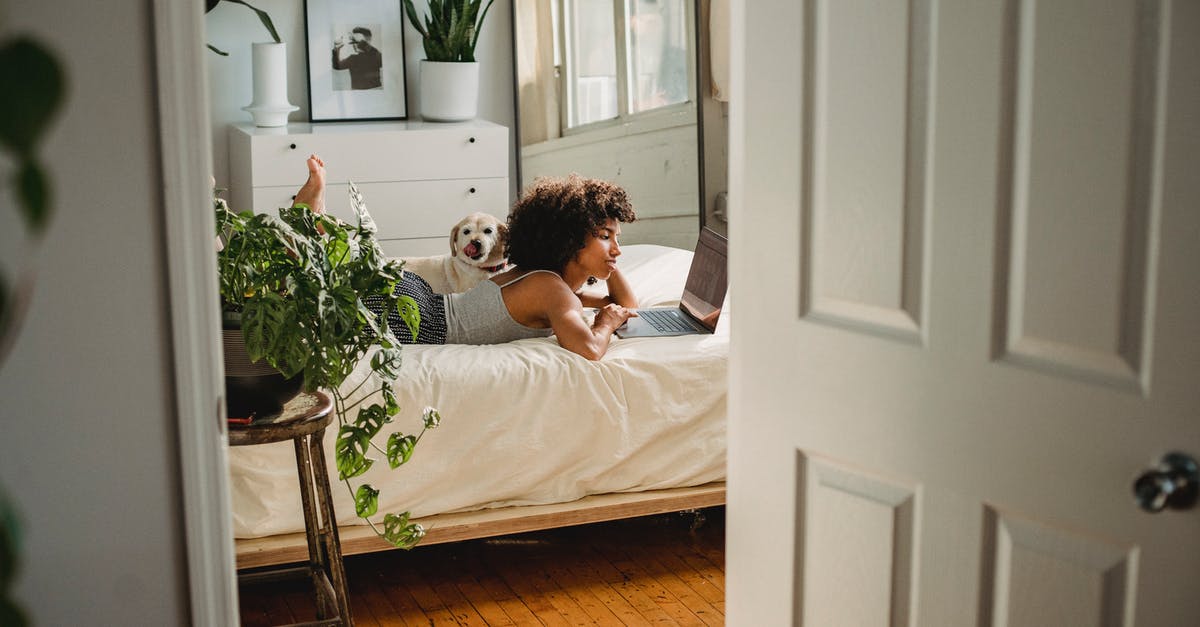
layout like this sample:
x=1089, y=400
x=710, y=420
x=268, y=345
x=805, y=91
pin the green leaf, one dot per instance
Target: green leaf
x=10, y=540
x=400, y=533
x=366, y=224
x=410, y=314
x=451, y=29
x=478, y=29
x=339, y=312
x=292, y=351
x=400, y=449
x=337, y=251
x=386, y=362
x=411, y=12
x=371, y=419
x=34, y=192
x=366, y=501
x=350, y=452
x=391, y=406
x=264, y=321
x=34, y=88
x=11, y=614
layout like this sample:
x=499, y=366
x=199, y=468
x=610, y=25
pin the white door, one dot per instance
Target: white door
x=966, y=268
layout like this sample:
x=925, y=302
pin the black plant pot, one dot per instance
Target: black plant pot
x=252, y=389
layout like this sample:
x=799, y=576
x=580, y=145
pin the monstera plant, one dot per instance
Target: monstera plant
x=300, y=281
x=34, y=86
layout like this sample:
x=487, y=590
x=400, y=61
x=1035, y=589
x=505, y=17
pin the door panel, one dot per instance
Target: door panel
x=865, y=207
x=1010, y=189
x=1037, y=575
x=1073, y=271
x=861, y=538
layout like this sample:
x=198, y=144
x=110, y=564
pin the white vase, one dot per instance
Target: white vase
x=270, y=106
x=449, y=90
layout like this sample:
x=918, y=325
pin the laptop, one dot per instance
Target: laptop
x=703, y=295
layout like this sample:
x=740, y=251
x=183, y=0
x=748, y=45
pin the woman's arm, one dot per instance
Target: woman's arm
x=573, y=332
x=619, y=292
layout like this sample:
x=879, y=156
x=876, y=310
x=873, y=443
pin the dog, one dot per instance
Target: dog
x=477, y=251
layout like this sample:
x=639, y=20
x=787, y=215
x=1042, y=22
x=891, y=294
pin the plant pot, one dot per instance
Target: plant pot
x=449, y=90
x=270, y=107
x=252, y=389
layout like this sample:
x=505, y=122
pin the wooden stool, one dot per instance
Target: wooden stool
x=303, y=421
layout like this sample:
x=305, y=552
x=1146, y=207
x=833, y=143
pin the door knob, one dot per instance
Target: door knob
x=1174, y=484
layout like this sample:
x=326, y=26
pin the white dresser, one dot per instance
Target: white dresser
x=417, y=178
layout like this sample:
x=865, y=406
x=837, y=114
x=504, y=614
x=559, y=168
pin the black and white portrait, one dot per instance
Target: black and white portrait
x=356, y=60
x=355, y=51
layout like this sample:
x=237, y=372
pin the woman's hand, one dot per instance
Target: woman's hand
x=612, y=316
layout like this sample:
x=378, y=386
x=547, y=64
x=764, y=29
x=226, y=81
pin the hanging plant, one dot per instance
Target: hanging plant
x=299, y=280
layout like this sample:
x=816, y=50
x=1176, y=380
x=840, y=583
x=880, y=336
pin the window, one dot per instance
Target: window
x=621, y=58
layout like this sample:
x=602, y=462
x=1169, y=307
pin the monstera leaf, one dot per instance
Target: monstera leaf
x=34, y=86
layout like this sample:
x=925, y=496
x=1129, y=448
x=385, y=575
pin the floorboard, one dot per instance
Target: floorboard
x=665, y=569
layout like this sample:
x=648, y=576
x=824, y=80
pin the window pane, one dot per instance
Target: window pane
x=658, y=53
x=592, y=51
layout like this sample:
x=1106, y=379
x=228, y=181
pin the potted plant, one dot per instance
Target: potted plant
x=449, y=80
x=298, y=281
x=270, y=106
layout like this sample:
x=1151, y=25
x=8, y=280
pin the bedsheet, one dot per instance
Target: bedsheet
x=528, y=422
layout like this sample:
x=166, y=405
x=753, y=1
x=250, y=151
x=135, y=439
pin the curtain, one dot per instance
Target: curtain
x=537, y=87
x=718, y=34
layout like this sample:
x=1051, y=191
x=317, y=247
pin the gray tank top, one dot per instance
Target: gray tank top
x=478, y=316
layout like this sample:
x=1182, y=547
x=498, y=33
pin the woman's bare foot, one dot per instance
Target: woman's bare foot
x=313, y=191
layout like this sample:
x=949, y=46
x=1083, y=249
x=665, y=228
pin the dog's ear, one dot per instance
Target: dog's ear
x=502, y=230
x=454, y=239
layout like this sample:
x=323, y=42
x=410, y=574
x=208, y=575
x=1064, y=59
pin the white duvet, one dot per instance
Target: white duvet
x=529, y=422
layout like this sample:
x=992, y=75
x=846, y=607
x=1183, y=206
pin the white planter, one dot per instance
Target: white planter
x=449, y=91
x=270, y=106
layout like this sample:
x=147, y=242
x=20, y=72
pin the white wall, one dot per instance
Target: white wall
x=233, y=28
x=654, y=159
x=88, y=451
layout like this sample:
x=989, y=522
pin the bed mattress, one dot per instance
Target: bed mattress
x=528, y=422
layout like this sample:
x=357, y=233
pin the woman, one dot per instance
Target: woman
x=562, y=235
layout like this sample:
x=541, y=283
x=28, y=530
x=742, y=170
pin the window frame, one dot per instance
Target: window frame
x=567, y=53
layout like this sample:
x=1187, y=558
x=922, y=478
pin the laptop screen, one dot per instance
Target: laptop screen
x=704, y=291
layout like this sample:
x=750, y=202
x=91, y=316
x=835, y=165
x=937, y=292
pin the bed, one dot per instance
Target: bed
x=532, y=436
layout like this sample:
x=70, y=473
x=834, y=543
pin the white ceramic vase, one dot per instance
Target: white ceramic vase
x=449, y=90
x=270, y=107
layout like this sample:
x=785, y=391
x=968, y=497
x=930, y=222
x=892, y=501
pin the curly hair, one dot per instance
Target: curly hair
x=551, y=223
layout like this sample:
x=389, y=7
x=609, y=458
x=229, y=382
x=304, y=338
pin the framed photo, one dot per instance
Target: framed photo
x=355, y=60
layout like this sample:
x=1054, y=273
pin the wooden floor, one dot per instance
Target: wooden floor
x=667, y=569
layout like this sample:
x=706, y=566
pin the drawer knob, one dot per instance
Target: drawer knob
x=292, y=146
x=472, y=140
x=472, y=190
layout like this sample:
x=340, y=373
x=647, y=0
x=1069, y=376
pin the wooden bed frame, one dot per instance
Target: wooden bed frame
x=292, y=547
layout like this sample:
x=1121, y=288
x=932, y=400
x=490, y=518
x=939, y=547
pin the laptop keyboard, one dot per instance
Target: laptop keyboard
x=663, y=320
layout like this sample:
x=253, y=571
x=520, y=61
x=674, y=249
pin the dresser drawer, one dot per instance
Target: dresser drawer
x=387, y=153
x=416, y=247
x=406, y=209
